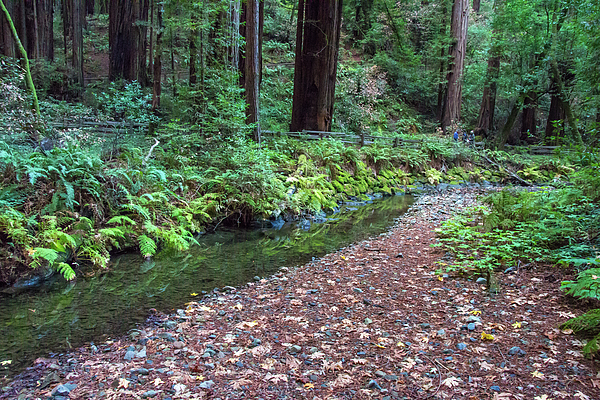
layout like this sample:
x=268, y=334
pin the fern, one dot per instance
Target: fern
x=147, y=246
x=41, y=253
x=587, y=285
x=66, y=271
x=121, y=219
x=588, y=323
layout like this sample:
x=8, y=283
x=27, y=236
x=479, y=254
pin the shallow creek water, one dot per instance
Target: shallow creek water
x=59, y=315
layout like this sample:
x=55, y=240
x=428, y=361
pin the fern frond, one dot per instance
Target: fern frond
x=66, y=271
x=43, y=253
x=147, y=245
x=587, y=285
x=121, y=219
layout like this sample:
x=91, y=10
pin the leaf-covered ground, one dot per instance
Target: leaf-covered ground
x=369, y=321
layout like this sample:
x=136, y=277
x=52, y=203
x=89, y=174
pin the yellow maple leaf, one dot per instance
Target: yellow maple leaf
x=193, y=294
x=158, y=382
x=475, y=312
x=400, y=344
x=309, y=386
x=486, y=336
x=537, y=374
x=343, y=258
x=517, y=325
x=379, y=345
x=200, y=377
x=440, y=278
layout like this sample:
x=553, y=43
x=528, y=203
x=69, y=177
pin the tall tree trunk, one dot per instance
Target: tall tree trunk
x=66, y=7
x=89, y=7
x=510, y=122
x=574, y=134
x=25, y=61
x=127, y=40
x=555, y=121
x=7, y=46
x=528, y=123
x=157, y=72
x=439, y=111
x=252, y=66
x=485, y=121
x=77, y=18
x=193, y=51
x=476, y=5
x=457, y=51
x=234, y=53
x=317, y=44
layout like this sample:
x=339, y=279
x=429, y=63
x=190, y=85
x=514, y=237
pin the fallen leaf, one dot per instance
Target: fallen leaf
x=309, y=386
x=486, y=336
x=517, y=325
x=537, y=374
x=240, y=383
x=193, y=294
x=123, y=383
x=157, y=382
x=581, y=395
x=451, y=381
x=542, y=397
x=475, y=312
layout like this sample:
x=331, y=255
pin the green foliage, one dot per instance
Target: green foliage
x=587, y=285
x=126, y=103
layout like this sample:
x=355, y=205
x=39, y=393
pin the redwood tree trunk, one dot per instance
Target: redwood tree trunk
x=127, y=40
x=252, y=65
x=555, y=121
x=77, y=17
x=7, y=46
x=157, y=72
x=317, y=44
x=485, y=122
x=528, y=123
x=458, y=27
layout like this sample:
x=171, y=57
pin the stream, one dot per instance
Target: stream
x=59, y=315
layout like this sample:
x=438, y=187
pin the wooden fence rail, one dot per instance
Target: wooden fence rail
x=114, y=127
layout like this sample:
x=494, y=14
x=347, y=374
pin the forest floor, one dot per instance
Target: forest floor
x=372, y=320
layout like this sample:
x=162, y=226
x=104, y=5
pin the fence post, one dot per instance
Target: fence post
x=396, y=142
x=362, y=138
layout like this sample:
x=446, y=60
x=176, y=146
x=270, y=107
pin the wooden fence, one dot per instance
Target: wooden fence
x=112, y=127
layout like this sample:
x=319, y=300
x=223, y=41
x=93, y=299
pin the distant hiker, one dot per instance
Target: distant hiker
x=456, y=136
x=464, y=137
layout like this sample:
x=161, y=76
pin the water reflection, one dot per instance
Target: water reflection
x=60, y=314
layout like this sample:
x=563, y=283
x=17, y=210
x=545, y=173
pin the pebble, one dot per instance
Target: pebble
x=441, y=332
x=461, y=346
x=481, y=281
x=63, y=390
x=425, y=326
x=471, y=326
x=178, y=345
x=294, y=349
x=516, y=350
x=129, y=355
x=170, y=324
x=373, y=384
x=368, y=321
x=495, y=388
x=207, y=384
x=149, y=393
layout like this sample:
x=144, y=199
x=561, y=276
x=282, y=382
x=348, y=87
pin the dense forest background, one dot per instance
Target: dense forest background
x=141, y=123
x=519, y=71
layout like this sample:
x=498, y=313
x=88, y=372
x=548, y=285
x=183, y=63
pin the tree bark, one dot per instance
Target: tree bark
x=510, y=122
x=317, y=43
x=157, y=72
x=528, y=122
x=476, y=5
x=485, y=121
x=193, y=51
x=77, y=17
x=457, y=51
x=252, y=66
x=25, y=60
x=127, y=40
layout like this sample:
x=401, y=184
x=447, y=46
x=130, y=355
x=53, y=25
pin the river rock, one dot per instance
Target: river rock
x=294, y=349
x=481, y=281
x=170, y=324
x=516, y=350
x=149, y=394
x=129, y=355
x=63, y=390
x=461, y=346
x=207, y=384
